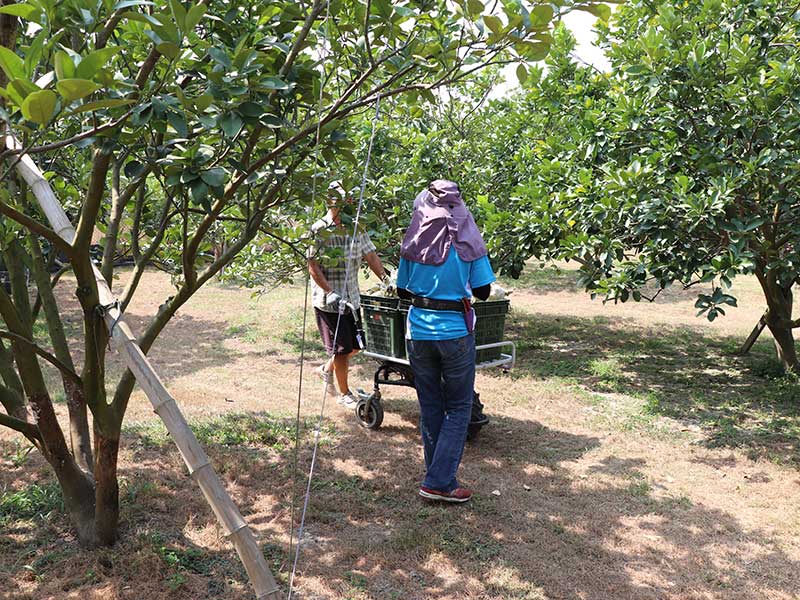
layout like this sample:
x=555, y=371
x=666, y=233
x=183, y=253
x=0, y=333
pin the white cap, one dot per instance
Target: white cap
x=336, y=186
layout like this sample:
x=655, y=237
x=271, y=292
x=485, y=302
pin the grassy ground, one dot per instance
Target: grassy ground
x=631, y=454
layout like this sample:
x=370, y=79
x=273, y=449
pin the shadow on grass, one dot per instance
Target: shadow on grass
x=553, y=278
x=367, y=534
x=674, y=372
x=158, y=555
x=544, y=279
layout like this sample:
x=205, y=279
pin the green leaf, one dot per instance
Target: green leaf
x=193, y=17
x=274, y=83
x=169, y=49
x=493, y=23
x=252, y=110
x=475, y=7
x=178, y=123
x=536, y=51
x=541, y=16
x=101, y=104
x=142, y=114
x=271, y=121
x=94, y=61
x=602, y=11
x=199, y=190
x=522, y=74
x=39, y=106
x=214, y=177
x=75, y=89
x=188, y=176
x=133, y=168
x=221, y=57
x=34, y=52
x=231, y=124
x=11, y=64
x=129, y=3
x=178, y=11
x=141, y=17
x=65, y=68
x=24, y=11
x=19, y=89
x=203, y=102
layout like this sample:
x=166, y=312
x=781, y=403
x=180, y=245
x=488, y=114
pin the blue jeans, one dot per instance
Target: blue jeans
x=444, y=375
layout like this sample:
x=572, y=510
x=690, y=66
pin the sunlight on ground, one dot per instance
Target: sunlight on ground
x=631, y=454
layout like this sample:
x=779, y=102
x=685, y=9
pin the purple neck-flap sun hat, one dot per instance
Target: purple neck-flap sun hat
x=441, y=219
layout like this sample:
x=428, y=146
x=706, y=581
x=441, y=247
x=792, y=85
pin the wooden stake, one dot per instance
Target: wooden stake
x=164, y=404
x=751, y=339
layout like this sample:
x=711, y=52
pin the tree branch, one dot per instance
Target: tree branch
x=43, y=353
x=36, y=227
x=91, y=205
x=69, y=141
x=316, y=10
x=144, y=259
x=29, y=430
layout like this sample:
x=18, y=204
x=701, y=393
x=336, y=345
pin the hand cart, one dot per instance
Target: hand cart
x=384, y=325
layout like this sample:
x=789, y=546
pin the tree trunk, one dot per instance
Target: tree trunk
x=107, y=488
x=77, y=488
x=779, y=301
x=80, y=442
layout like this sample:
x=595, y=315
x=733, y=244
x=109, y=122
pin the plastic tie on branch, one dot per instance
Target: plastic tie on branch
x=102, y=311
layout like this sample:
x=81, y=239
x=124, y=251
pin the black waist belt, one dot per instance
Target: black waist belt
x=431, y=304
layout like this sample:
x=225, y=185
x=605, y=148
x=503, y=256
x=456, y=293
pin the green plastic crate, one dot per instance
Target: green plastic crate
x=385, y=326
x=380, y=301
x=490, y=327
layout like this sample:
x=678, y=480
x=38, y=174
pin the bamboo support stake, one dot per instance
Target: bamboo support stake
x=164, y=404
x=753, y=337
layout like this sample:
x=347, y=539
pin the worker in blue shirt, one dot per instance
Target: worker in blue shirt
x=443, y=264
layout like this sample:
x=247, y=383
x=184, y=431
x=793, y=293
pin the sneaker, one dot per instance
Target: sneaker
x=327, y=379
x=457, y=495
x=347, y=400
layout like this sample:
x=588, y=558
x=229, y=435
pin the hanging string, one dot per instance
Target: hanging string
x=348, y=265
x=295, y=460
x=303, y=340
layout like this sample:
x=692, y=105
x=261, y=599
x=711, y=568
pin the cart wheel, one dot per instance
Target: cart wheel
x=373, y=418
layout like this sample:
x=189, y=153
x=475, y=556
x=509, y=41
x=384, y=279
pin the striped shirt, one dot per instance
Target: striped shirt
x=337, y=238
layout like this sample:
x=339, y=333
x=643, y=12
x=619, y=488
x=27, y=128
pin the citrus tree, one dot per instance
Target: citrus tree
x=678, y=166
x=179, y=132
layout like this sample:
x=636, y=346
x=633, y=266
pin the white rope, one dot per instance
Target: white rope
x=348, y=265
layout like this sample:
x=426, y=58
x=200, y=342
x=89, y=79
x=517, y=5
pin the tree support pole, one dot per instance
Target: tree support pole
x=200, y=469
x=751, y=339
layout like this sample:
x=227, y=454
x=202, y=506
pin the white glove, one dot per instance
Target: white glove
x=389, y=285
x=332, y=301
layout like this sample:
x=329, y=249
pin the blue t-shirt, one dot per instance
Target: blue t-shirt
x=453, y=280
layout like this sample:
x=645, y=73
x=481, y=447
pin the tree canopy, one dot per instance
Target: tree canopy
x=677, y=166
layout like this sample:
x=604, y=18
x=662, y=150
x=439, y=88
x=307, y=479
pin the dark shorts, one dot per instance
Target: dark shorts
x=346, y=340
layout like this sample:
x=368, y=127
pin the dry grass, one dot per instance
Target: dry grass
x=631, y=455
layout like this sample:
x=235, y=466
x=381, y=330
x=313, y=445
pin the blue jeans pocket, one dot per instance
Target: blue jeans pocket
x=454, y=349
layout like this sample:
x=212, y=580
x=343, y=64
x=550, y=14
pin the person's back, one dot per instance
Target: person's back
x=443, y=262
